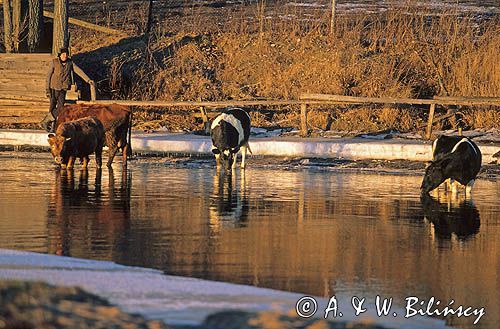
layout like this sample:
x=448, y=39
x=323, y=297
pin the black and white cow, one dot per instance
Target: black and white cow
x=443, y=145
x=230, y=132
x=462, y=163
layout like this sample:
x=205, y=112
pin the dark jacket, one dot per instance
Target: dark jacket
x=59, y=76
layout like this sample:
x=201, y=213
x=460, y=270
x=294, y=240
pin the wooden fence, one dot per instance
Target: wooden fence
x=306, y=100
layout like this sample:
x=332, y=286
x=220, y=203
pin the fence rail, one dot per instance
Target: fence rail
x=316, y=99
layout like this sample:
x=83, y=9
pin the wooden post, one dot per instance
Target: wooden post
x=93, y=91
x=204, y=117
x=7, y=25
x=429, y=123
x=332, y=18
x=304, y=131
x=60, y=36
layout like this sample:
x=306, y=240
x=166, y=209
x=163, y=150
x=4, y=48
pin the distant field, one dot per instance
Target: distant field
x=223, y=50
x=131, y=15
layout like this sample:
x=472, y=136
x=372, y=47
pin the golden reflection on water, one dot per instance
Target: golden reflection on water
x=319, y=233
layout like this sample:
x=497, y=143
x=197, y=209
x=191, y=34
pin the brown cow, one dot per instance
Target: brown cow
x=78, y=139
x=117, y=122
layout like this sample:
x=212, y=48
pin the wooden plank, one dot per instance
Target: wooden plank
x=493, y=100
x=26, y=97
x=4, y=102
x=26, y=56
x=22, y=112
x=215, y=104
x=392, y=100
x=88, y=25
x=32, y=119
x=366, y=100
x=27, y=81
x=18, y=72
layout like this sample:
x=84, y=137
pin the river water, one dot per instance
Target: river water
x=310, y=231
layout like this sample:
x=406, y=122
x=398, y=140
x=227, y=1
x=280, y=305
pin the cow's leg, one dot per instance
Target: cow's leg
x=85, y=162
x=448, y=183
x=468, y=188
x=112, y=153
x=124, y=155
x=454, y=187
x=235, y=157
x=98, y=156
x=217, y=161
x=243, y=156
x=71, y=162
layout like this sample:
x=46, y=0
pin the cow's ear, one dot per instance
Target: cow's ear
x=215, y=151
x=235, y=150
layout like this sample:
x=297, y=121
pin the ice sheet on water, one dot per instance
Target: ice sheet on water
x=176, y=300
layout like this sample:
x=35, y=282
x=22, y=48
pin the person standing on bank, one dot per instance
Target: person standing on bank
x=59, y=81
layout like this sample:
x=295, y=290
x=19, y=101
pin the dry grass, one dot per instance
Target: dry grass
x=398, y=53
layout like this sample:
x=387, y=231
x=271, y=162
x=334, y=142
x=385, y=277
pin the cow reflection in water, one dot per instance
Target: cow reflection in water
x=453, y=216
x=86, y=219
x=228, y=203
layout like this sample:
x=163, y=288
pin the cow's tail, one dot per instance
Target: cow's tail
x=129, y=148
x=248, y=148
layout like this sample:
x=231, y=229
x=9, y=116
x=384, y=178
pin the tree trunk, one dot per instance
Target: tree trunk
x=332, y=18
x=19, y=24
x=60, y=39
x=7, y=25
x=150, y=18
x=35, y=24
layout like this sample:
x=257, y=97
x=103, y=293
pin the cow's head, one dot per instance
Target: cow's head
x=434, y=175
x=226, y=157
x=60, y=148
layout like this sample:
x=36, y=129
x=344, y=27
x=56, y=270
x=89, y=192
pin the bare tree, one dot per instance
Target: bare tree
x=60, y=36
x=7, y=25
x=150, y=21
x=19, y=23
x=35, y=24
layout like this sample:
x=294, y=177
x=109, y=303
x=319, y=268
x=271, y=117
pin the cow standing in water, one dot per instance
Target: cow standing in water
x=230, y=132
x=77, y=139
x=117, y=122
x=455, y=158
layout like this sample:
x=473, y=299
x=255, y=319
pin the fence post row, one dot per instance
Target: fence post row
x=316, y=99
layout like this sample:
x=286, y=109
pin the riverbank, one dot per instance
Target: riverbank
x=384, y=146
x=177, y=301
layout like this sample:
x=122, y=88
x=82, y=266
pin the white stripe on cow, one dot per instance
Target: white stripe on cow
x=464, y=140
x=233, y=121
x=434, y=147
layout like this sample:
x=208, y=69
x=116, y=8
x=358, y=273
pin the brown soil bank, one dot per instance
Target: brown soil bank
x=397, y=53
x=32, y=305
